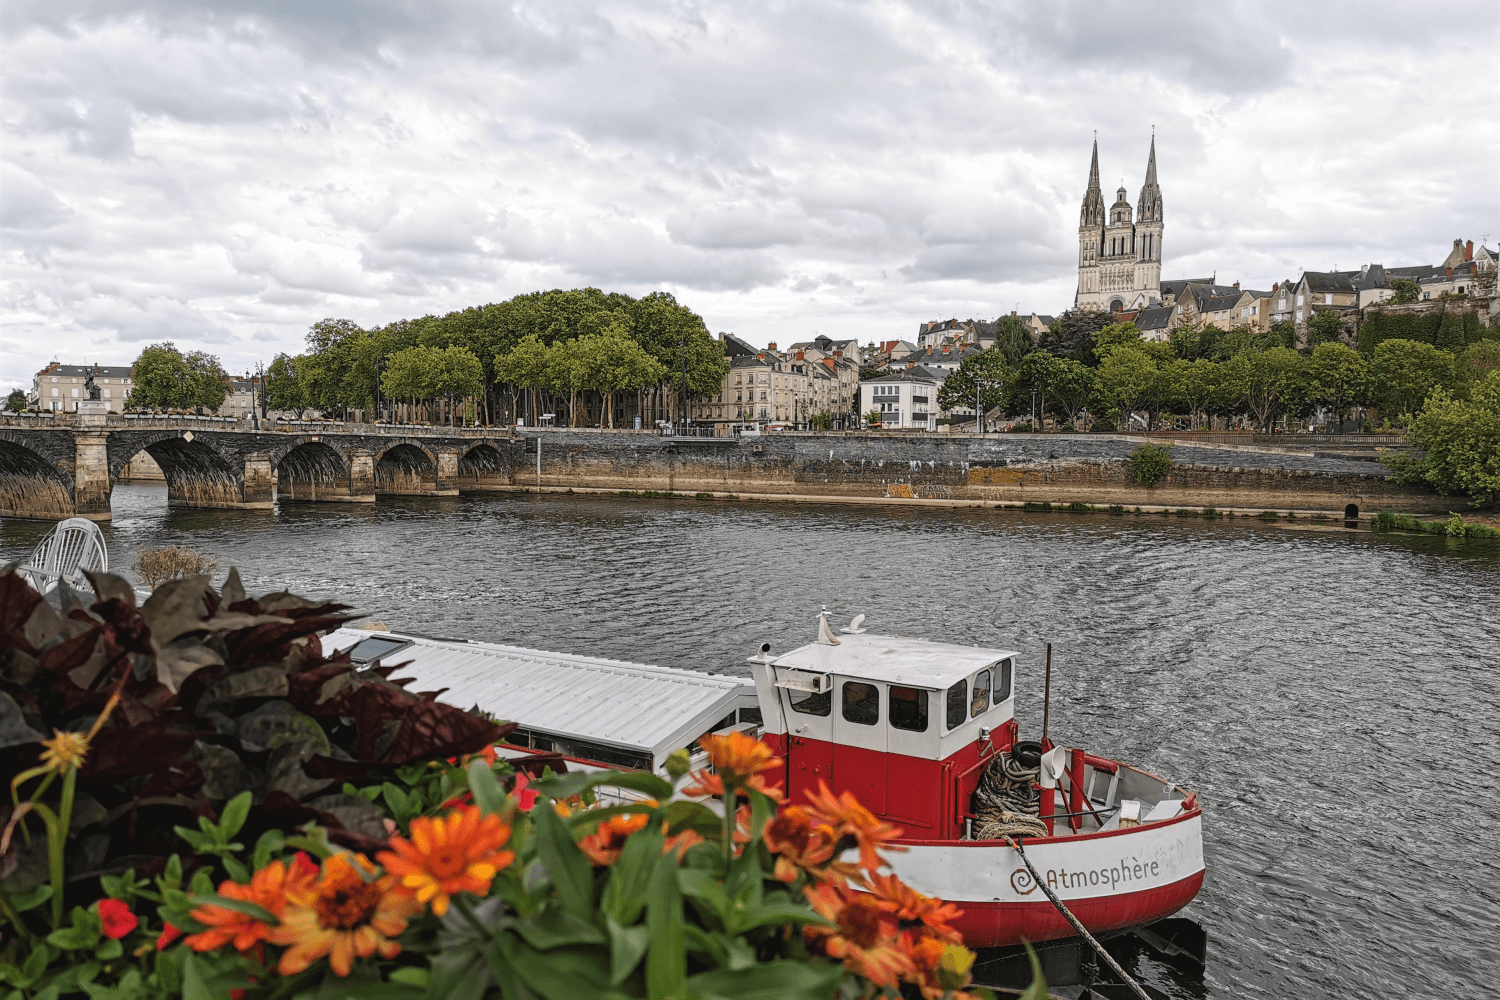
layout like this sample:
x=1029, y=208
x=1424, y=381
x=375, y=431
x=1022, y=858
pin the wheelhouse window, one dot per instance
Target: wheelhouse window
x=861, y=703
x=909, y=709
x=981, y=700
x=957, y=702
x=811, y=703
x=1002, y=681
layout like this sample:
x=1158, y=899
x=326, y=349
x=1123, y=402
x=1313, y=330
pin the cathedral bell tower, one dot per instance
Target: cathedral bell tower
x=1119, y=250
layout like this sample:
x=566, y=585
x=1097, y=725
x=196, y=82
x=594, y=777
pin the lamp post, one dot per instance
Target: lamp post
x=378, y=362
x=1033, y=409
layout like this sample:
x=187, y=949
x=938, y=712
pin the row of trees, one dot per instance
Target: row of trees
x=1084, y=375
x=572, y=351
x=163, y=378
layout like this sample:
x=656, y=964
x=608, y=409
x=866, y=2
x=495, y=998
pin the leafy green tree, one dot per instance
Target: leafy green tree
x=1403, y=290
x=1450, y=334
x=415, y=374
x=986, y=374
x=1013, y=339
x=526, y=366
x=1266, y=383
x=1190, y=343
x=1403, y=373
x=1071, y=389
x=1130, y=380
x=616, y=364
x=16, y=401
x=162, y=378
x=1478, y=360
x=1336, y=376
x=1117, y=334
x=1072, y=334
x=1195, y=383
x=1326, y=326
x=283, y=389
x=1460, y=443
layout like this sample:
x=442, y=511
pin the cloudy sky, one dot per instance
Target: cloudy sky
x=222, y=173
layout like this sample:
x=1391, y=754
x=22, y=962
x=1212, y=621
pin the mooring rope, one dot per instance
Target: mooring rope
x=1007, y=801
x=1067, y=913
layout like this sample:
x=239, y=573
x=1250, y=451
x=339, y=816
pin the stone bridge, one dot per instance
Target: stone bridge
x=61, y=465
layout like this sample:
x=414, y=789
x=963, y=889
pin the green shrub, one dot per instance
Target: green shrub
x=1115, y=508
x=1268, y=515
x=1150, y=463
x=1032, y=505
x=1210, y=512
x=1080, y=508
x=1020, y=428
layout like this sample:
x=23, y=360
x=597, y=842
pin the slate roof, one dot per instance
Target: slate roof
x=84, y=371
x=920, y=373
x=1154, y=319
x=734, y=346
x=1176, y=285
x=1327, y=281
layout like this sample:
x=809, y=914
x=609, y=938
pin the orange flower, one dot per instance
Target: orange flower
x=268, y=889
x=343, y=916
x=850, y=819
x=941, y=968
x=801, y=845
x=459, y=852
x=604, y=845
x=681, y=842
x=911, y=907
x=865, y=938
x=737, y=761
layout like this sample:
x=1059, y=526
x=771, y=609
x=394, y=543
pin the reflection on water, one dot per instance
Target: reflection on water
x=1332, y=695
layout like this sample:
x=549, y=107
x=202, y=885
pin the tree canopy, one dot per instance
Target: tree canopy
x=1459, y=442
x=164, y=378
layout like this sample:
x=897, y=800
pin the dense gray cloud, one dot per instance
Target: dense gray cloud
x=225, y=173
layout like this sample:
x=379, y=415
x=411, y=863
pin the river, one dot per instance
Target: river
x=1332, y=695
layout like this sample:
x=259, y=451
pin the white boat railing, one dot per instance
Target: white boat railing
x=67, y=550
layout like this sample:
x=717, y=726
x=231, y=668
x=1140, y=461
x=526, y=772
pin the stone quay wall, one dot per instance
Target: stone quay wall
x=1009, y=468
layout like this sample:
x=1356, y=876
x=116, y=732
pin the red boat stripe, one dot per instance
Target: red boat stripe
x=998, y=925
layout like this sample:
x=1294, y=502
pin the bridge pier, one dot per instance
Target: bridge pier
x=92, y=484
x=260, y=483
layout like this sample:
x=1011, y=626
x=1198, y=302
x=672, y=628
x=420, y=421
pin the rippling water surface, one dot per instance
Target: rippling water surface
x=1333, y=696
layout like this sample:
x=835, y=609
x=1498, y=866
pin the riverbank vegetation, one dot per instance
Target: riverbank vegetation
x=1458, y=436
x=207, y=805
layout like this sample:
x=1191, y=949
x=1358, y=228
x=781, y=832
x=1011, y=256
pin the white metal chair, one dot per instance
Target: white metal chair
x=73, y=546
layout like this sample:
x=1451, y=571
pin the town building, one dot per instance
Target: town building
x=1119, y=250
x=61, y=387
x=904, y=397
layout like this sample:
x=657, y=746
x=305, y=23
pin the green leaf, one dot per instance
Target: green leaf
x=551, y=928
x=701, y=884
x=194, y=986
x=270, y=843
x=771, y=981
x=776, y=915
x=666, y=963
x=202, y=883
x=397, y=801
x=412, y=975
x=171, y=876
x=108, y=949
x=168, y=972
x=685, y=815
x=24, y=901
x=1038, y=988
x=584, y=822
x=260, y=913
x=236, y=870
x=197, y=841
x=626, y=947
x=630, y=877
x=570, y=871
x=563, y=974
x=488, y=795
x=232, y=819
x=72, y=939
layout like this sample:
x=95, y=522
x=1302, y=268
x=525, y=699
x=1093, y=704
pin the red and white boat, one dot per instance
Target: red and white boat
x=909, y=726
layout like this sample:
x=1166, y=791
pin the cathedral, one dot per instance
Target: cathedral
x=1119, y=256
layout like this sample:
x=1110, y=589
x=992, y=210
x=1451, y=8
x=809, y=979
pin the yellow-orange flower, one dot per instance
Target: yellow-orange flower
x=268, y=889
x=346, y=914
x=941, y=968
x=604, y=845
x=458, y=852
x=738, y=761
x=844, y=814
x=865, y=938
x=708, y=783
x=800, y=844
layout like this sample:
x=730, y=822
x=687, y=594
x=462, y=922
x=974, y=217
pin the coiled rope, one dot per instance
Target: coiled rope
x=1007, y=801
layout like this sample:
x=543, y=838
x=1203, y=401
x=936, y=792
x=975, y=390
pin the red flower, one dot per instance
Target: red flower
x=525, y=795
x=168, y=935
x=116, y=917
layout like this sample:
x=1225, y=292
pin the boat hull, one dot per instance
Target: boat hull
x=1110, y=881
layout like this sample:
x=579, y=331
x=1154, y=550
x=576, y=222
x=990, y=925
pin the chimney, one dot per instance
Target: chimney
x=838, y=354
x=1236, y=286
x=911, y=364
x=1450, y=271
x=761, y=355
x=1469, y=250
x=801, y=356
x=771, y=346
x=832, y=366
x=946, y=348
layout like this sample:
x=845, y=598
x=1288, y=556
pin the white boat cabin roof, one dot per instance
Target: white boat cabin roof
x=899, y=660
x=583, y=704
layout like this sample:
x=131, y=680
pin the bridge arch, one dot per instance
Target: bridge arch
x=310, y=468
x=483, y=464
x=30, y=485
x=405, y=468
x=198, y=469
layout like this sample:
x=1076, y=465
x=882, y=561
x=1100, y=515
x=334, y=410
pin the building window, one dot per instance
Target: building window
x=75, y=393
x=54, y=391
x=1300, y=298
x=861, y=703
x=909, y=709
x=1328, y=298
x=808, y=703
x=957, y=704
x=981, y=701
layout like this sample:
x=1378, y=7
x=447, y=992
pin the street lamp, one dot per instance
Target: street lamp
x=1033, y=409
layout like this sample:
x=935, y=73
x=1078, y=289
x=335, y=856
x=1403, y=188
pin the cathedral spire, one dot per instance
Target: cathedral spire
x=1093, y=199
x=1149, y=207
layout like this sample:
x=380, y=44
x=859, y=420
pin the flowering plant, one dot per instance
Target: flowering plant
x=486, y=877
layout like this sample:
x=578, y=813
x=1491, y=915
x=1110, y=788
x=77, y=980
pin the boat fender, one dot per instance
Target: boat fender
x=1027, y=753
x=1190, y=803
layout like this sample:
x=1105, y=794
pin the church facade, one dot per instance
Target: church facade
x=1119, y=249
